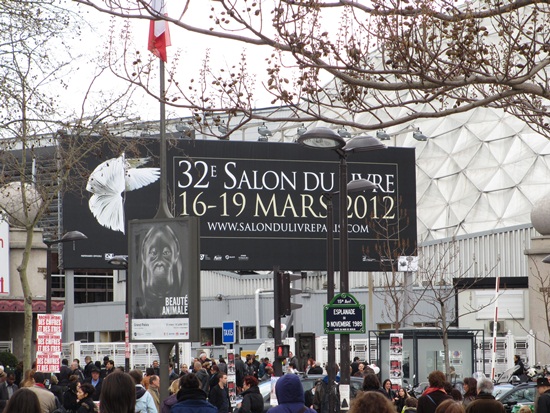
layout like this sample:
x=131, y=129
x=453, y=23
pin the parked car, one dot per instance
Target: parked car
x=511, y=395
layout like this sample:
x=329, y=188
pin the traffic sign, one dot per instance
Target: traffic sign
x=344, y=315
x=229, y=332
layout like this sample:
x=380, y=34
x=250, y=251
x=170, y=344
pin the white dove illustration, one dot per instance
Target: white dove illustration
x=107, y=183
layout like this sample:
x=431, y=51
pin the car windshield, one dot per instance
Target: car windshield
x=500, y=391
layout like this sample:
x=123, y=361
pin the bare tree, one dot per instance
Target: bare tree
x=42, y=147
x=442, y=275
x=391, y=61
x=396, y=291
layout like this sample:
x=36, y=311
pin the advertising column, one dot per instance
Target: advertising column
x=396, y=361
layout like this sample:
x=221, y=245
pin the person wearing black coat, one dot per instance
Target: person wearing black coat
x=70, y=400
x=219, y=394
x=85, y=402
x=253, y=401
x=434, y=395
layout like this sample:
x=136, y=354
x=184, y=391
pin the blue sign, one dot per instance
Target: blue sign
x=229, y=332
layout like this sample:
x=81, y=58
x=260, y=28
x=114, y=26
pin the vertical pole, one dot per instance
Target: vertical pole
x=68, y=321
x=49, y=278
x=495, y=320
x=344, y=271
x=163, y=212
x=128, y=348
x=331, y=338
x=277, y=366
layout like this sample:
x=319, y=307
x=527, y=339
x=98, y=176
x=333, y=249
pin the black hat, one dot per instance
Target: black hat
x=95, y=369
x=543, y=381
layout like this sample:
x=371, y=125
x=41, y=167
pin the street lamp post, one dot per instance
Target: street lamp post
x=69, y=236
x=325, y=138
x=358, y=185
x=122, y=261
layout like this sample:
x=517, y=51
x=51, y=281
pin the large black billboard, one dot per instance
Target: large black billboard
x=261, y=204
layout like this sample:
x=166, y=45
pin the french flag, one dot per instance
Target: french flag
x=159, y=35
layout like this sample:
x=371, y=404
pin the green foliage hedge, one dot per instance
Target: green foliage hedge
x=8, y=360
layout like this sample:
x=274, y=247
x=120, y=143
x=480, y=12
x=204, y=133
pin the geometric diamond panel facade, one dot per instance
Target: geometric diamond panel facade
x=478, y=171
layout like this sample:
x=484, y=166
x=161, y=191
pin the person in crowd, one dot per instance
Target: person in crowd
x=386, y=387
x=191, y=398
x=292, y=359
x=360, y=370
x=11, y=387
x=321, y=395
x=103, y=367
x=410, y=405
x=64, y=374
x=154, y=386
x=84, y=396
x=485, y=401
x=214, y=376
x=45, y=397
x=70, y=396
x=144, y=400
x=56, y=389
x=118, y=394
x=219, y=394
x=3, y=390
x=400, y=398
x=253, y=401
x=184, y=369
x=202, y=375
x=172, y=375
x=434, y=394
x=149, y=371
x=19, y=374
x=222, y=365
x=371, y=383
x=316, y=369
x=240, y=369
x=156, y=367
x=76, y=371
x=251, y=369
x=543, y=402
x=519, y=367
x=28, y=378
x=172, y=398
x=355, y=365
x=290, y=396
x=470, y=390
x=371, y=402
x=109, y=367
x=450, y=406
x=88, y=367
x=96, y=381
x=453, y=376
x=267, y=375
x=23, y=401
x=291, y=369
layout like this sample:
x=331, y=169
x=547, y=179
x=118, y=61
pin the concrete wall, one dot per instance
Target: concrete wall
x=539, y=295
x=36, y=270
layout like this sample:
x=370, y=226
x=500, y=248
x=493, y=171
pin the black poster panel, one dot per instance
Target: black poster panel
x=261, y=204
x=164, y=280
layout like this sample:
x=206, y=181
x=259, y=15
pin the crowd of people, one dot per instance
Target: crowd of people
x=203, y=388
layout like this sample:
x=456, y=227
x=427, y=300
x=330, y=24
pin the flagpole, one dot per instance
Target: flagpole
x=163, y=210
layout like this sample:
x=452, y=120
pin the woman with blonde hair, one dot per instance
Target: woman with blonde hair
x=172, y=399
x=28, y=378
